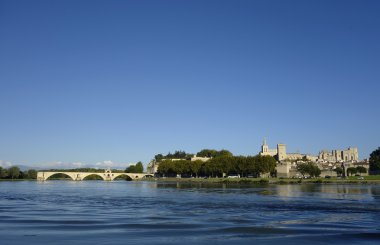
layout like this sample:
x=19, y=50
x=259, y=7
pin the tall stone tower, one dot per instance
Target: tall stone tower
x=264, y=147
x=281, y=152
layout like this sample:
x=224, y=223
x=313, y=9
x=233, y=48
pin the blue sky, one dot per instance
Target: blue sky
x=94, y=81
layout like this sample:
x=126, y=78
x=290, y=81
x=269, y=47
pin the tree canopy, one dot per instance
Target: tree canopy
x=175, y=155
x=374, y=160
x=361, y=169
x=309, y=168
x=14, y=172
x=220, y=165
x=187, y=156
x=137, y=168
x=351, y=171
x=339, y=171
x=214, y=153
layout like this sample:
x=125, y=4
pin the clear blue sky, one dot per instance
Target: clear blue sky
x=90, y=81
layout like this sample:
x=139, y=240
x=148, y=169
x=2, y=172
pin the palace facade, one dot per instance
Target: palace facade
x=281, y=155
x=349, y=155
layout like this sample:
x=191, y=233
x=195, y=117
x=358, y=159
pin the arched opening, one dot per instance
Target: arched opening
x=123, y=177
x=148, y=176
x=93, y=177
x=59, y=176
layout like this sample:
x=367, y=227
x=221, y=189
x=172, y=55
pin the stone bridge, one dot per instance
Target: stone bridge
x=107, y=175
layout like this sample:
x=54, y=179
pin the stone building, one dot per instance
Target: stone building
x=152, y=167
x=280, y=153
x=351, y=154
x=335, y=156
x=203, y=159
x=265, y=151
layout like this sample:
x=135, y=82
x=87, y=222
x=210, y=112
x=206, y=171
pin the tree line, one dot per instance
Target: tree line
x=14, y=172
x=219, y=166
x=187, y=156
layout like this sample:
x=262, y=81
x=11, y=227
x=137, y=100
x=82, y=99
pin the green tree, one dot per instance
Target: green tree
x=351, y=171
x=308, y=168
x=14, y=172
x=178, y=155
x=3, y=173
x=214, y=153
x=374, y=160
x=130, y=169
x=166, y=167
x=32, y=174
x=225, y=153
x=315, y=171
x=339, y=171
x=361, y=170
x=266, y=164
x=252, y=165
x=139, y=167
x=303, y=168
x=242, y=165
x=181, y=167
x=207, y=153
x=196, y=167
x=213, y=167
x=158, y=157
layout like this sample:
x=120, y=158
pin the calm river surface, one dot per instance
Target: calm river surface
x=121, y=212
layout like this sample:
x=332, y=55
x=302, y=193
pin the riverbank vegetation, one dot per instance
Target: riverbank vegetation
x=220, y=166
x=14, y=173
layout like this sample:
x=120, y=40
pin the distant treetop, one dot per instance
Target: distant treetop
x=187, y=156
x=214, y=153
x=175, y=155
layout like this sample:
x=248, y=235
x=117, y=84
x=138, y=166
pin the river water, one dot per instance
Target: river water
x=121, y=212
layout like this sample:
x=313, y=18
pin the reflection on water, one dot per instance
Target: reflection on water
x=97, y=212
x=326, y=190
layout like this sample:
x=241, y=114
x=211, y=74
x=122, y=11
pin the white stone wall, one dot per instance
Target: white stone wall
x=203, y=159
x=283, y=169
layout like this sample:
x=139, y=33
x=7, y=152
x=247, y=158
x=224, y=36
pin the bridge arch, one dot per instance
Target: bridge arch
x=122, y=177
x=100, y=175
x=49, y=175
x=133, y=176
x=115, y=175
